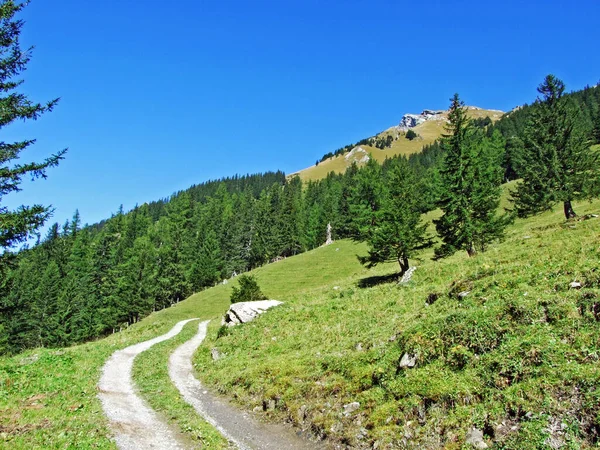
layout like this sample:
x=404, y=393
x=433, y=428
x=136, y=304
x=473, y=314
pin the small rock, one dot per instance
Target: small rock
x=526, y=237
x=407, y=275
x=225, y=281
x=29, y=360
x=336, y=428
x=475, y=438
x=336, y=288
x=575, y=285
x=257, y=409
x=463, y=294
x=362, y=434
x=350, y=408
x=302, y=413
x=393, y=337
x=269, y=405
x=359, y=347
x=408, y=361
x=216, y=355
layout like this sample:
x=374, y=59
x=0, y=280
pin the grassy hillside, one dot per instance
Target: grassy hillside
x=48, y=396
x=517, y=357
x=428, y=132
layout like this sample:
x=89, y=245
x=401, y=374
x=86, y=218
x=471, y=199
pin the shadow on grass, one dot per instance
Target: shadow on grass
x=376, y=280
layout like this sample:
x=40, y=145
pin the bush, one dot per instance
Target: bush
x=248, y=291
x=410, y=135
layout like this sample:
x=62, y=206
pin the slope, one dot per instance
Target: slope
x=514, y=356
x=427, y=132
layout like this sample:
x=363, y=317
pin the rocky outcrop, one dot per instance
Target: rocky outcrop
x=243, y=312
x=357, y=155
x=412, y=120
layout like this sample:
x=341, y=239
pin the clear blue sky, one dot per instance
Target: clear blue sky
x=159, y=95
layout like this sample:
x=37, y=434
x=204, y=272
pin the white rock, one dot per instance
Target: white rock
x=407, y=275
x=350, y=408
x=408, y=361
x=575, y=285
x=475, y=438
x=243, y=312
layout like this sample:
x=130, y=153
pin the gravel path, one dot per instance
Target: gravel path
x=134, y=424
x=237, y=426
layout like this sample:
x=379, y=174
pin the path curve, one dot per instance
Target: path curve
x=236, y=426
x=134, y=424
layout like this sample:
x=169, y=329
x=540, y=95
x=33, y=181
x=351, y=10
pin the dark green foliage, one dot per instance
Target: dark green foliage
x=18, y=224
x=248, y=290
x=471, y=178
x=482, y=122
x=558, y=165
x=410, y=135
x=390, y=216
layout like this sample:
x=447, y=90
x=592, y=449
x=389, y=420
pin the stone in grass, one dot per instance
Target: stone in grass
x=407, y=275
x=350, y=408
x=408, y=361
x=575, y=285
x=243, y=312
x=475, y=438
x=216, y=355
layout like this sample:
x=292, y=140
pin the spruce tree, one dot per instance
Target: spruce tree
x=16, y=225
x=397, y=231
x=470, y=180
x=558, y=165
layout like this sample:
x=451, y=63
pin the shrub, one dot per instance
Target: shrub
x=410, y=135
x=248, y=290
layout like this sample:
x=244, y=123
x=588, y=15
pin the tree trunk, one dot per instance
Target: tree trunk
x=403, y=261
x=569, y=213
x=471, y=251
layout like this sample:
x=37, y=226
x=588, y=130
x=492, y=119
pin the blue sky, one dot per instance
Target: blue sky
x=159, y=95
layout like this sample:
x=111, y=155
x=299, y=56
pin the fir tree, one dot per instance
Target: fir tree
x=470, y=187
x=17, y=225
x=558, y=165
x=397, y=232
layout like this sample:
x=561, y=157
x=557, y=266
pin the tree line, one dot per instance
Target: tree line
x=80, y=282
x=83, y=281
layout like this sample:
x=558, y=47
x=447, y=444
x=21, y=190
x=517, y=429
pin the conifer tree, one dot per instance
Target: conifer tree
x=471, y=177
x=16, y=225
x=558, y=165
x=397, y=231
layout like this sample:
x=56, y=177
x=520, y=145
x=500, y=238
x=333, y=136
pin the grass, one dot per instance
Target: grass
x=428, y=132
x=517, y=357
x=48, y=396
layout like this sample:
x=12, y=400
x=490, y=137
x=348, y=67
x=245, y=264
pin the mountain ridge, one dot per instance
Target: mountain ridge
x=428, y=125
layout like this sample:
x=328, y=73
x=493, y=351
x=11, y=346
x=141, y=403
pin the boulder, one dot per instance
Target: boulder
x=243, y=312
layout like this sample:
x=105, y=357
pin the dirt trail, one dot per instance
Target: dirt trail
x=134, y=424
x=238, y=427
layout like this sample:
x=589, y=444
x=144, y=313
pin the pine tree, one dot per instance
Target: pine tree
x=470, y=187
x=397, y=231
x=558, y=165
x=17, y=225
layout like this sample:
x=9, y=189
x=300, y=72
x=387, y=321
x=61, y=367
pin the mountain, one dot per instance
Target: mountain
x=428, y=125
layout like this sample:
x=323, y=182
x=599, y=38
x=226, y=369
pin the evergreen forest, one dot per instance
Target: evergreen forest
x=80, y=282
